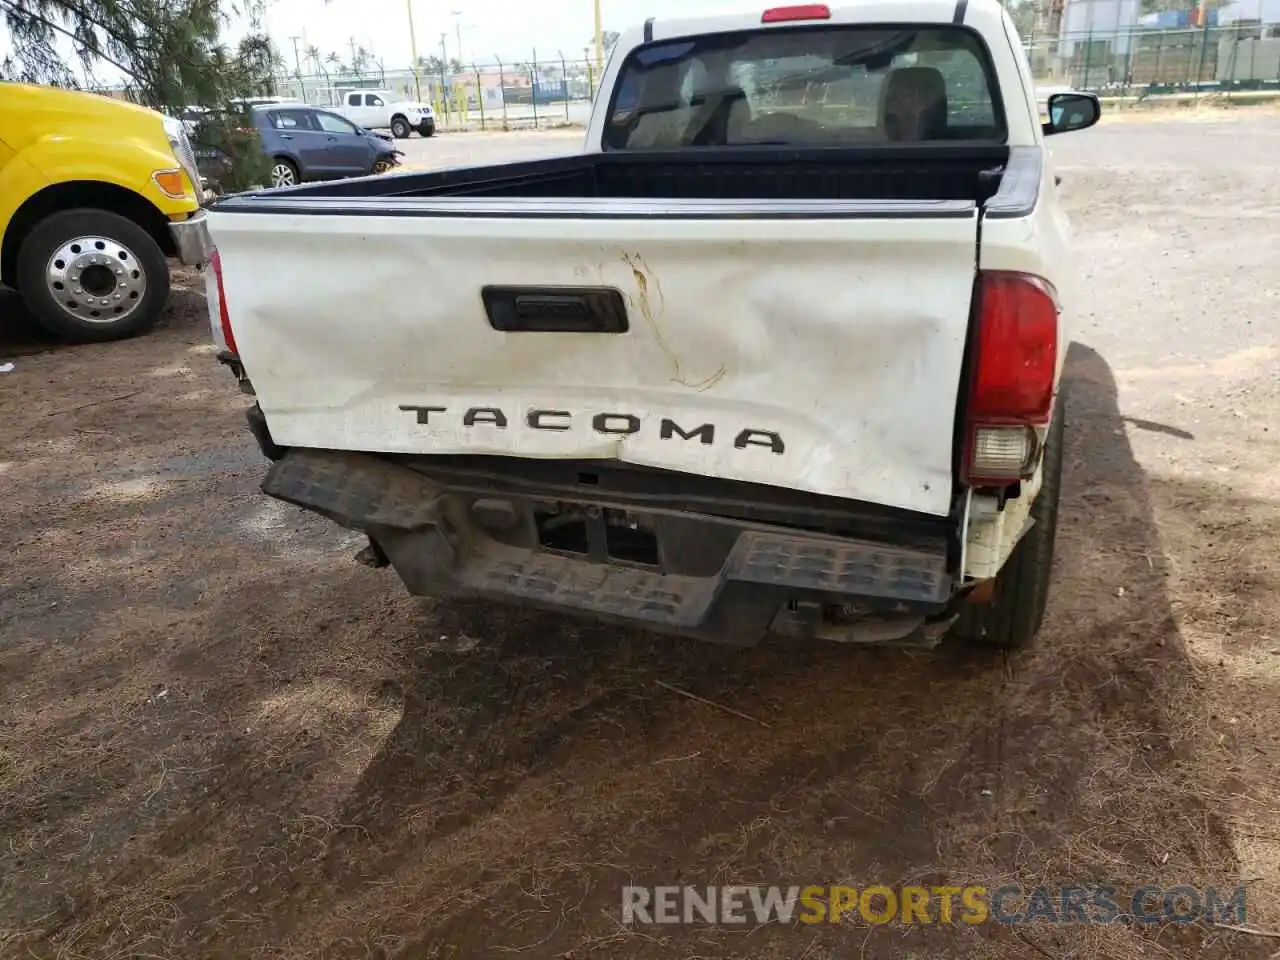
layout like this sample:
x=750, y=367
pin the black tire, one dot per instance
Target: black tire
x=427, y=128
x=138, y=290
x=1013, y=616
x=400, y=128
x=278, y=163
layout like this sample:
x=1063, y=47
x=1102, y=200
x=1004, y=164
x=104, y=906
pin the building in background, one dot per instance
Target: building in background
x=1263, y=12
x=1106, y=24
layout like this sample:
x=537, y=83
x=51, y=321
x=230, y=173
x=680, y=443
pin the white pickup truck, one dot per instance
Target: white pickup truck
x=383, y=110
x=777, y=352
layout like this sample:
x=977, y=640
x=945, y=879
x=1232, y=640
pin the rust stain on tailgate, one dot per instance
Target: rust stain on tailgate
x=642, y=272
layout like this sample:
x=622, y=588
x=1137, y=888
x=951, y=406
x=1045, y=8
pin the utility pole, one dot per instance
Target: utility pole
x=599, y=41
x=355, y=63
x=444, y=59
x=413, y=51
x=297, y=69
x=457, y=29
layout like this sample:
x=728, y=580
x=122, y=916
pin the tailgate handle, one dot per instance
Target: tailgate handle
x=555, y=309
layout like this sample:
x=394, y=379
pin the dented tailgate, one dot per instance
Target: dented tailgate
x=817, y=348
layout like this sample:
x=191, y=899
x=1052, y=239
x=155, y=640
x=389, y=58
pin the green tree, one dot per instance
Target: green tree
x=433, y=66
x=169, y=52
x=361, y=61
x=335, y=65
x=1023, y=14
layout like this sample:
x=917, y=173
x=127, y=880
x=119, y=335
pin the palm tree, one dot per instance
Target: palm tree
x=338, y=68
x=313, y=54
x=362, y=60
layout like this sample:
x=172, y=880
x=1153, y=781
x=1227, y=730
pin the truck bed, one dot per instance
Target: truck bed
x=925, y=172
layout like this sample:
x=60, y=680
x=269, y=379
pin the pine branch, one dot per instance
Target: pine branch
x=30, y=14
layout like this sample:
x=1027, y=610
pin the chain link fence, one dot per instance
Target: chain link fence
x=1131, y=64
x=1139, y=63
x=491, y=96
x=1125, y=66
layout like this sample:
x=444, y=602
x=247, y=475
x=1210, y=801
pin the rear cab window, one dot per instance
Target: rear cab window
x=830, y=85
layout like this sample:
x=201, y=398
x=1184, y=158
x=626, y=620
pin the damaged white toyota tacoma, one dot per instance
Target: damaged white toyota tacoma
x=777, y=352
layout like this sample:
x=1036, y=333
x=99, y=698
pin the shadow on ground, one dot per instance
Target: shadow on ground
x=19, y=332
x=22, y=335
x=293, y=759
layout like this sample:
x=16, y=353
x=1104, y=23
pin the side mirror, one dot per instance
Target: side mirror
x=1071, y=111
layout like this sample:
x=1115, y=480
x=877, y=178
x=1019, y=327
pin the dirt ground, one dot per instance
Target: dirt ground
x=220, y=737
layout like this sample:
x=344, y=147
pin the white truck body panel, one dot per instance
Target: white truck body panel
x=374, y=109
x=797, y=327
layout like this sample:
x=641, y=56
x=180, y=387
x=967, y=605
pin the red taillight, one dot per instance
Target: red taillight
x=1016, y=350
x=224, y=318
x=1014, y=363
x=804, y=11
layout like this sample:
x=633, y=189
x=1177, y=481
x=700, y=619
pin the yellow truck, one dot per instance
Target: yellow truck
x=95, y=195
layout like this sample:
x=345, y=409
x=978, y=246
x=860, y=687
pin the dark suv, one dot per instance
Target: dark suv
x=306, y=143
x=302, y=143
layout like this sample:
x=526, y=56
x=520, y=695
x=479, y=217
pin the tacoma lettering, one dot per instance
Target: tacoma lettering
x=609, y=423
x=620, y=423
x=538, y=419
x=669, y=428
x=423, y=413
x=485, y=415
x=758, y=438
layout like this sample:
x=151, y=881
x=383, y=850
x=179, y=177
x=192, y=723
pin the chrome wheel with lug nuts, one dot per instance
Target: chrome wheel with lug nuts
x=92, y=275
x=96, y=279
x=283, y=174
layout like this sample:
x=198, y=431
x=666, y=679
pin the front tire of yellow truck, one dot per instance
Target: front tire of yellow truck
x=91, y=276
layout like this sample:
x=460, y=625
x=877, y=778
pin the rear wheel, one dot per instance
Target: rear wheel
x=90, y=276
x=1013, y=616
x=400, y=128
x=284, y=173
